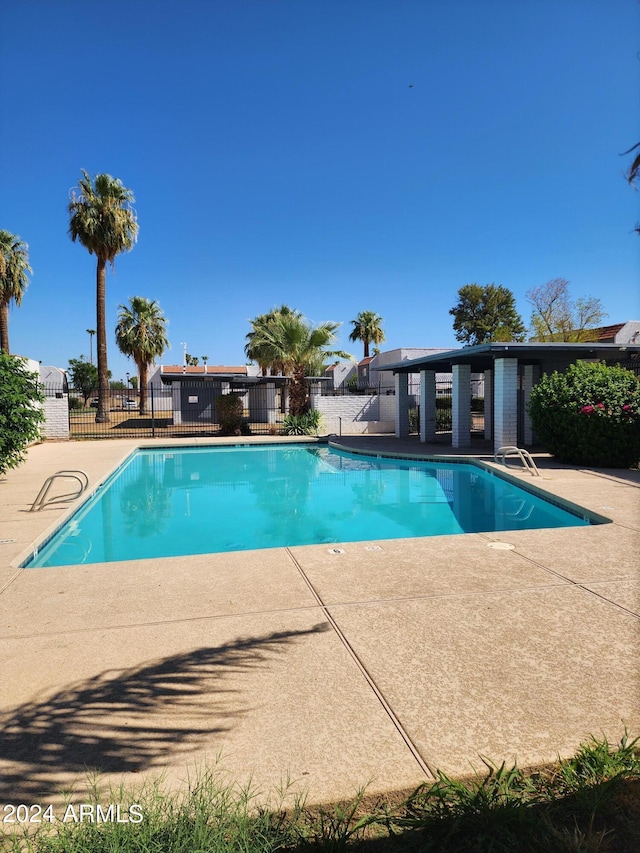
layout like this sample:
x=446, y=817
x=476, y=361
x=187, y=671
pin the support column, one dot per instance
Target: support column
x=402, y=405
x=488, y=404
x=506, y=403
x=461, y=406
x=531, y=375
x=427, y=405
x=176, y=403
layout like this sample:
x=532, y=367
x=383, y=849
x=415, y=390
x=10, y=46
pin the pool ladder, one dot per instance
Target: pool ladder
x=524, y=456
x=82, y=484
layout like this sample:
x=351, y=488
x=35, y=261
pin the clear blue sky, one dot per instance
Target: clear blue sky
x=334, y=155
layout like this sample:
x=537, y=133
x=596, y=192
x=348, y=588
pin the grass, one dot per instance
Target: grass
x=587, y=804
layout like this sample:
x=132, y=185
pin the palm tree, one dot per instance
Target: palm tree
x=91, y=333
x=634, y=169
x=289, y=340
x=103, y=221
x=367, y=327
x=141, y=335
x=255, y=348
x=14, y=266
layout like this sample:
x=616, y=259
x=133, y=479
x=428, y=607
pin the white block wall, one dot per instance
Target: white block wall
x=370, y=413
x=506, y=402
x=488, y=403
x=461, y=406
x=56, y=412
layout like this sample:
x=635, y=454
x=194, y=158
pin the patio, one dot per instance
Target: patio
x=369, y=667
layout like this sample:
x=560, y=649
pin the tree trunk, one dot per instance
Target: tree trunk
x=298, y=391
x=366, y=347
x=143, y=371
x=102, y=415
x=4, y=327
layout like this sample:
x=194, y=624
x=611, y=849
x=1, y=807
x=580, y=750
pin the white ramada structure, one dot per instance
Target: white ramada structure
x=510, y=372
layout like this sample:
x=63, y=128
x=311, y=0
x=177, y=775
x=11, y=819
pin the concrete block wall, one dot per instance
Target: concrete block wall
x=355, y=414
x=506, y=402
x=56, y=412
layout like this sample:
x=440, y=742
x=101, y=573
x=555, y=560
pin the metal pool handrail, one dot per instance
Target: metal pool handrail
x=41, y=501
x=524, y=456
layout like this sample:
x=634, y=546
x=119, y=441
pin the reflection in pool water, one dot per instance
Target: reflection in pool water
x=165, y=503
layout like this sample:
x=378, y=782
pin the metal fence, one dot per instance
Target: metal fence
x=444, y=408
x=359, y=389
x=192, y=410
x=188, y=410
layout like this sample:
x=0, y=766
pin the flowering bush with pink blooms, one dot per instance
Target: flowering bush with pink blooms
x=589, y=415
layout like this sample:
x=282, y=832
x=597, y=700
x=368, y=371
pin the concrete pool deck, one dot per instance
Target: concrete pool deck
x=374, y=666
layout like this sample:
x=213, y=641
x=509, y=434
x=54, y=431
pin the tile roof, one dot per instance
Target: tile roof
x=608, y=333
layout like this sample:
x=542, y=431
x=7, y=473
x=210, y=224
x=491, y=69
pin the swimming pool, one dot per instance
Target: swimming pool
x=174, y=502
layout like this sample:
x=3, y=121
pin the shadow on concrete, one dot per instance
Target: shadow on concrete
x=136, y=424
x=131, y=720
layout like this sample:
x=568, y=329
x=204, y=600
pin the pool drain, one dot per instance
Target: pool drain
x=336, y=551
x=501, y=546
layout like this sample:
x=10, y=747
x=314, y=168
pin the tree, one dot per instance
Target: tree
x=141, y=335
x=14, y=266
x=84, y=377
x=634, y=171
x=292, y=342
x=21, y=412
x=255, y=348
x=485, y=314
x=557, y=317
x=191, y=360
x=103, y=221
x=367, y=327
x=91, y=333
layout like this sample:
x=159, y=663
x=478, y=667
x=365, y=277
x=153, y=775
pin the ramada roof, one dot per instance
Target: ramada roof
x=482, y=356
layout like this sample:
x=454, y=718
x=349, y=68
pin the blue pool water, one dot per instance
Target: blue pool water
x=164, y=503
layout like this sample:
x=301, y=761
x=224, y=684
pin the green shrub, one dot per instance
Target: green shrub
x=589, y=415
x=75, y=404
x=20, y=410
x=443, y=416
x=305, y=424
x=230, y=411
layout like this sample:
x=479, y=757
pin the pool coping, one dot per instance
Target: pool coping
x=494, y=469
